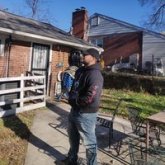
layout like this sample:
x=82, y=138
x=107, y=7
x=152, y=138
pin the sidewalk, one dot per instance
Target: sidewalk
x=49, y=141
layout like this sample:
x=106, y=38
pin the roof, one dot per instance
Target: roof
x=19, y=25
x=128, y=25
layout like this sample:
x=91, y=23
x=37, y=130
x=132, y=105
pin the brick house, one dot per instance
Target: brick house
x=121, y=41
x=37, y=47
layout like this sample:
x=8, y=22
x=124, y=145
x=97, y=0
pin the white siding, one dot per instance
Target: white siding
x=153, y=43
x=106, y=27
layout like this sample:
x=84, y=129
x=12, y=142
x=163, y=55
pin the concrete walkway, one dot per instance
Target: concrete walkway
x=49, y=141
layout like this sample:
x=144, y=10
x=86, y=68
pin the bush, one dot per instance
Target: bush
x=138, y=83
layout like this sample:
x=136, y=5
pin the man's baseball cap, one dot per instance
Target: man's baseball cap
x=92, y=52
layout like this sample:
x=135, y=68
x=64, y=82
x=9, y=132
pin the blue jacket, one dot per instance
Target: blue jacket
x=86, y=90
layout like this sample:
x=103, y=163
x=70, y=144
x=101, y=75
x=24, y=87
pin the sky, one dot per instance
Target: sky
x=60, y=11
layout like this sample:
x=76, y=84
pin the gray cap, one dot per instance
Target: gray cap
x=92, y=52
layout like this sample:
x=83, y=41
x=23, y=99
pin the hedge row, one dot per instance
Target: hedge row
x=153, y=85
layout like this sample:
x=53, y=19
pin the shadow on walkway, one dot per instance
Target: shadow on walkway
x=62, y=120
x=21, y=130
x=101, y=133
x=59, y=123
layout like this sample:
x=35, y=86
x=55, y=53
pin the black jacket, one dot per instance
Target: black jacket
x=86, y=90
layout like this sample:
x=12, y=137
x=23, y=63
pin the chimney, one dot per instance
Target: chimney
x=80, y=23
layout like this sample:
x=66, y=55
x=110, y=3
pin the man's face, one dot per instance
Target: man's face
x=88, y=59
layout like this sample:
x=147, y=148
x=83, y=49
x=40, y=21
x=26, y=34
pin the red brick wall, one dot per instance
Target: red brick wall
x=3, y=65
x=122, y=45
x=18, y=59
x=59, y=54
x=80, y=23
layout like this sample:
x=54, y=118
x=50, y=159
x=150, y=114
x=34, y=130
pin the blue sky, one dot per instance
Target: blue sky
x=60, y=11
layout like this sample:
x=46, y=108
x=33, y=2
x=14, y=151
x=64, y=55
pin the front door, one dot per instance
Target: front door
x=40, y=60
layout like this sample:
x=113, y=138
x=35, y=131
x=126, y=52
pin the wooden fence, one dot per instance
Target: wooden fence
x=29, y=94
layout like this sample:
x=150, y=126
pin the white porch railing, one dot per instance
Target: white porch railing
x=30, y=94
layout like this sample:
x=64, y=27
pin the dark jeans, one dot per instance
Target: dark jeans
x=82, y=125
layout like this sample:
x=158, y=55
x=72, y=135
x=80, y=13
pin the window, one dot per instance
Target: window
x=100, y=42
x=40, y=57
x=1, y=47
x=95, y=21
x=97, y=42
x=93, y=41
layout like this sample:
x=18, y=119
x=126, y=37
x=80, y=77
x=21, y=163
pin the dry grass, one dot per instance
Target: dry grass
x=14, y=135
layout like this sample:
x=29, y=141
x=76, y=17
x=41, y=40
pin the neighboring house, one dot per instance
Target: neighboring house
x=121, y=41
x=37, y=47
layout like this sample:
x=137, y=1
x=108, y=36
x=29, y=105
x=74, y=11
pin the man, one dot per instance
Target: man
x=84, y=99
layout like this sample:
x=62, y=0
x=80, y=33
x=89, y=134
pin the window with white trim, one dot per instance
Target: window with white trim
x=93, y=41
x=100, y=42
x=97, y=42
x=95, y=21
x=2, y=47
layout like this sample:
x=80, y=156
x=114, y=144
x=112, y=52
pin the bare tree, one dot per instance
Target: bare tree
x=40, y=10
x=156, y=20
x=34, y=6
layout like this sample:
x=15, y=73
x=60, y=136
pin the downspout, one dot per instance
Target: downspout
x=9, y=43
x=141, y=50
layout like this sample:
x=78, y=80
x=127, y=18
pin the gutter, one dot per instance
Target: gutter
x=25, y=34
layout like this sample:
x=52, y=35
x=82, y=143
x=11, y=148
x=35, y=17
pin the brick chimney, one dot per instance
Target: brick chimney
x=80, y=23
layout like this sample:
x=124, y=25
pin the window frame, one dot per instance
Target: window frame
x=97, y=42
x=2, y=47
x=95, y=21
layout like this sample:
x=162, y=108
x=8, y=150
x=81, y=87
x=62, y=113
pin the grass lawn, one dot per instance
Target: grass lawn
x=149, y=104
x=15, y=130
x=14, y=134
